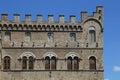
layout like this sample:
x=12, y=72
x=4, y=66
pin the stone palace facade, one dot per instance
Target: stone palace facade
x=52, y=50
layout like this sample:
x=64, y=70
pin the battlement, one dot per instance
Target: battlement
x=72, y=19
x=51, y=24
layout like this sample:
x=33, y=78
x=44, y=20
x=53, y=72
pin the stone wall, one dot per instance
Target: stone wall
x=61, y=46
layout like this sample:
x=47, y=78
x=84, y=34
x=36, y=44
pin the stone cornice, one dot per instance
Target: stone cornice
x=51, y=48
x=95, y=71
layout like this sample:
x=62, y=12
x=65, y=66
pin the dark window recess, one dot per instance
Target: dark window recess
x=53, y=63
x=24, y=62
x=92, y=34
x=6, y=62
x=31, y=62
x=69, y=63
x=76, y=63
x=92, y=63
x=47, y=63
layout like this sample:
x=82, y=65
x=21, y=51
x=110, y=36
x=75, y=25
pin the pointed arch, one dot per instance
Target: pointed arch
x=6, y=62
x=47, y=63
x=27, y=54
x=76, y=63
x=53, y=63
x=31, y=62
x=93, y=19
x=92, y=34
x=24, y=62
x=72, y=54
x=50, y=54
x=92, y=63
x=69, y=63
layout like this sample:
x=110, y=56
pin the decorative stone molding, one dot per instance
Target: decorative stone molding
x=27, y=54
x=72, y=54
x=50, y=54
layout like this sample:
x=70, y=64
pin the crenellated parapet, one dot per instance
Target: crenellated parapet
x=51, y=33
x=39, y=17
x=50, y=25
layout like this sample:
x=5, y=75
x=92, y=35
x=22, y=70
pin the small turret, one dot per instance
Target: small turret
x=72, y=18
x=4, y=17
x=84, y=15
x=28, y=17
x=39, y=18
x=16, y=17
x=50, y=18
x=61, y=18
x=99, y=9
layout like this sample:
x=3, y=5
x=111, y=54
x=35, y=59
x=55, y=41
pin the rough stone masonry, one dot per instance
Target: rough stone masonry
x=52, y=50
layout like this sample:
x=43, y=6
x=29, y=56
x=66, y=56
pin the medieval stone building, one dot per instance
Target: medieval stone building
x=52, y=50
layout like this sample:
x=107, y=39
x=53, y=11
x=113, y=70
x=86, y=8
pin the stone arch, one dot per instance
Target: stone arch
x=92, y=34
x=0, y=25
x=10, y=26
x=15, y=27
x=31, y=27
x=7, y=55
x=61, y=27
x=43, y=27
x=93, y=19
x=20, y=27
x=52, y=27
x=25, y=27
x=92, y=56
x=70, y=27
x=79, y=27
x=57, y=27
x=48, y=26
x=92, y=63
x=92, y=28
x=28, y=54
x=72, y=54
x=6, y=62
x=5, y=26
x=50, y=54
x=39, y=26
x=35, y=27
x=66, y=28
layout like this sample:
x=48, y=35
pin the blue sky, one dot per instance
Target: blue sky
x=74, y=7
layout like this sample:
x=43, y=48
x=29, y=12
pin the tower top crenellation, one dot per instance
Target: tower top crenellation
x=72, y=18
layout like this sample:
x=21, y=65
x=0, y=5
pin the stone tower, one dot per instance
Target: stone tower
x=38, y=50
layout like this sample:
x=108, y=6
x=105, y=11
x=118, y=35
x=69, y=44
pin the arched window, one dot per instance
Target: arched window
x=24, y=62
x=7, y=36
x=31, y=62
x=6, y=62
x=72, y=62
x=73, y=36
x=92, y=34
x=92, y=62
x=76, y=63
x=50, y=61
x=50, y=37
x=69, y=63
x=27, y=36
x=53, y=62
x=47, y=63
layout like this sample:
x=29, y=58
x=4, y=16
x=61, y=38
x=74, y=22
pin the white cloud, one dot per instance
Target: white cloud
x=106, y=79
x=116, y=68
